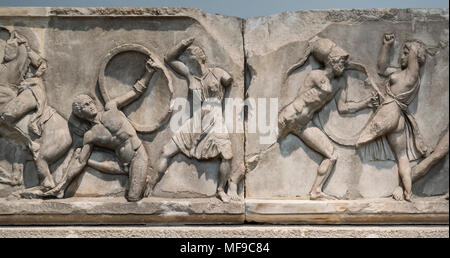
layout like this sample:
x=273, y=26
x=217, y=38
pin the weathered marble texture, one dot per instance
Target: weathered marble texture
x=75, y=42
x=256, y=52
x=287, y=168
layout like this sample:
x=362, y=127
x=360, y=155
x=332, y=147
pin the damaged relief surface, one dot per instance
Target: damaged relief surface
x=172, y=115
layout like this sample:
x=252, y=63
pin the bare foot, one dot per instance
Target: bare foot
x=408, y=196
x=398, y=194
x=57, y=191
x=48, y=183
x=223, y=196
x=321, y=196
x=233, y=192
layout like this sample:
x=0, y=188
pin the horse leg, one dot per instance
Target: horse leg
x=44, y=172
x=17, y=109
x=55, y=142
x=18, y=165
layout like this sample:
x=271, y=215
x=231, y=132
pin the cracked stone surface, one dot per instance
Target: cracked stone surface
x=256, y=53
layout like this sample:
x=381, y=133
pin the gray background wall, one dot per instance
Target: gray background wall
x=240, y=8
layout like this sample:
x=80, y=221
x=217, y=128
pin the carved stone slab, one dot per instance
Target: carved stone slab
x=346, y=117
x=299, y=48
x=109, y=210
x=106, y=54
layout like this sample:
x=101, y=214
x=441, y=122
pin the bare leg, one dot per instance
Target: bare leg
x=224, y=173
x=397, y=141
x=42, y=167
x=169, y=150
x=318, y=141
x=233, y=182
x=46, y=178
x=385, y=120
x=138, y=175
x=421, y=169
x=107, y=167
x=425, y=165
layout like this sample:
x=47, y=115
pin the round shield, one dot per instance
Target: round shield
x=345, y=128
x=121, y=69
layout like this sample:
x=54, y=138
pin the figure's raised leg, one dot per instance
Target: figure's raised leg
x=318, y=141
x=385, y=120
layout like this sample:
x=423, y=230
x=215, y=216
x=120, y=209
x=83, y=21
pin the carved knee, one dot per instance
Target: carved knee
x=327, y=164
x=332, y=156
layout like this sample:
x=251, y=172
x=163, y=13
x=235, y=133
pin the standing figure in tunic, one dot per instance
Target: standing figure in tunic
x=208, y=88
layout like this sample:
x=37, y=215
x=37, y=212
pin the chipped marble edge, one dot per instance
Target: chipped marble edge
x=119, y=206
x=345, y=14
x=97, y=11
x=431, y=205
x=381, y=211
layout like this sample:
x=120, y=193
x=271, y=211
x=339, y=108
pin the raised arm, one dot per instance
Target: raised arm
x=383, y=57
x=35, y=59
x=172, y=56
x=38, y=62
x=138, y=89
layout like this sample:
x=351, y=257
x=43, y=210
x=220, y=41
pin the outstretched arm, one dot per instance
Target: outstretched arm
x=138, y=89
x=350, y=107
x=107, y=167
x=172, y=57
x=383, y=57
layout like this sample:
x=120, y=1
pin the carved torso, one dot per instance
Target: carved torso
x=209, y=86
x=115, y=132
x=402, y=82
x=313, y=96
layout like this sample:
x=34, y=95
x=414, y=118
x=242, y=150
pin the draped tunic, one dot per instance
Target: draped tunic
x=207, y=138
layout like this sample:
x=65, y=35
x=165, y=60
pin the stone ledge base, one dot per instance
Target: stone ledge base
x=429, y=210
x=107, y=211
x=244, y=231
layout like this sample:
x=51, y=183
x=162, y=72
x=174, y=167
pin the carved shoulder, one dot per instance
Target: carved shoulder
x=224, y=77
x=96, y=135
